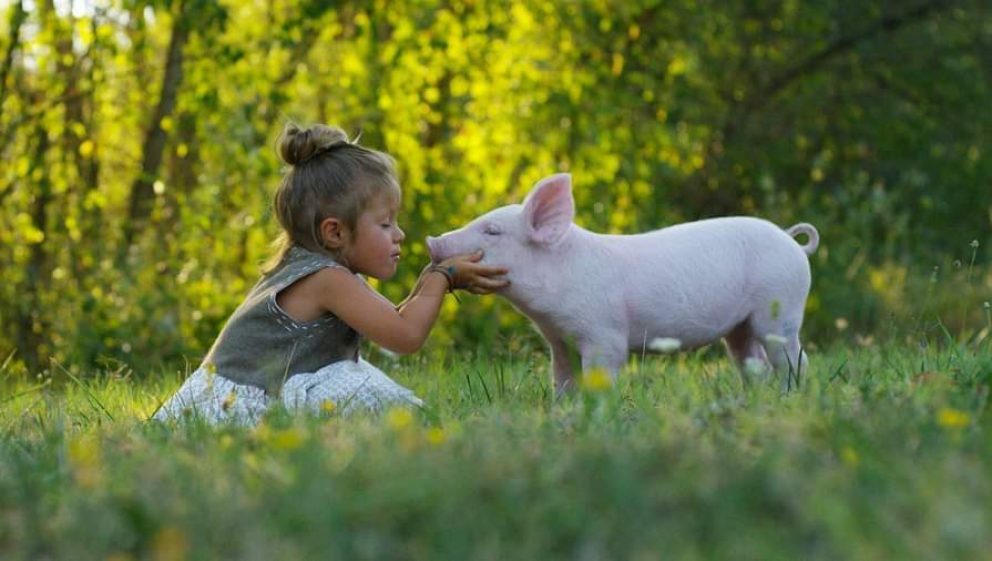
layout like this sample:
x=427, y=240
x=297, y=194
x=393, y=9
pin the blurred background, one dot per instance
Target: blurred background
x=137, y=162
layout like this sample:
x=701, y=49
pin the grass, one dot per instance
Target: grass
x=881, y=453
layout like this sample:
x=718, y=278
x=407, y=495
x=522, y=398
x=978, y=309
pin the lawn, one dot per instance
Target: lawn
x=882, y=452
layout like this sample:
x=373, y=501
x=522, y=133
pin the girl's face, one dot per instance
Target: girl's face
x=375, y=244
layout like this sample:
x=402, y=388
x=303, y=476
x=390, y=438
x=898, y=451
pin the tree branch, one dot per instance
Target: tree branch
x=840, y=46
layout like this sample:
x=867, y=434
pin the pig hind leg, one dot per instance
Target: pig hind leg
x=747, y=353
x=779, y=335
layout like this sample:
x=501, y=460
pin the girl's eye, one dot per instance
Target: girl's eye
x=492, y=230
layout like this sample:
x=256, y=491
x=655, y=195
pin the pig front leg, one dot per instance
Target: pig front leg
x=607, y=351
x=563, y=376
x=561, y=366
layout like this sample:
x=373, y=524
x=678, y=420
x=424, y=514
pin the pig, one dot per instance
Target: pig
x=738, y=278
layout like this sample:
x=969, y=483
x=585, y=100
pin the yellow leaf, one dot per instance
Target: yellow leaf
x=617, y=64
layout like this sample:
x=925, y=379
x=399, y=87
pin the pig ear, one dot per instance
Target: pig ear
x=549, y=209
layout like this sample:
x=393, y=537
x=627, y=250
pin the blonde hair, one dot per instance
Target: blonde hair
x=330, y=175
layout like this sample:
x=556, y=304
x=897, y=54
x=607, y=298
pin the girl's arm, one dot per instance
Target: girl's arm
x=400, y=329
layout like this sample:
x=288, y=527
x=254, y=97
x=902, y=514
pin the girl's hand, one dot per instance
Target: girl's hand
x=468, y=274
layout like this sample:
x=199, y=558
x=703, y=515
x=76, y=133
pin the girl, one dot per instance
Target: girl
x=295, y=338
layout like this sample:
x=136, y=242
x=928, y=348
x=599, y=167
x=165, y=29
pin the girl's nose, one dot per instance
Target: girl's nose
x=400, y=234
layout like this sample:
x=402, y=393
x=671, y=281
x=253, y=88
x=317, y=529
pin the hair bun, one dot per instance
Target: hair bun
x=297, y=145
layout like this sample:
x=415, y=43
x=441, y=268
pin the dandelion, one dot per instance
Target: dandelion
x=841, y=324
x=436, y=436
x=952, y=419
x=596, y=380
x=974, y=244
x=399, y=419
x=287, y=440
x=328, y=406
x=665, y=345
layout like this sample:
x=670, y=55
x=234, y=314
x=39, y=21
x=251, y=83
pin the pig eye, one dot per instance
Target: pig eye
x=492, y=230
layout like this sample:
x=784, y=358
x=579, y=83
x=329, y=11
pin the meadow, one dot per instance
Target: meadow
x=136, y=178
x=881, y=452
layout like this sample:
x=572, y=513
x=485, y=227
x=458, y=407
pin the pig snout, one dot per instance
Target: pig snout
x=435, y=248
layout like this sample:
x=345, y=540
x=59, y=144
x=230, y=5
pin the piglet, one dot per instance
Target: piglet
x=738, y=278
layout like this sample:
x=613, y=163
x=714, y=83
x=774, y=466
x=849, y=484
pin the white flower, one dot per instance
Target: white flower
x=664, y=345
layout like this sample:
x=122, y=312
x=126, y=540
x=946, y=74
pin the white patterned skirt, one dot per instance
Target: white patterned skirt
x=345, y=387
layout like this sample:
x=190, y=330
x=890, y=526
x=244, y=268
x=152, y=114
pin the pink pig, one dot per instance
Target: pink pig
x=738, y=278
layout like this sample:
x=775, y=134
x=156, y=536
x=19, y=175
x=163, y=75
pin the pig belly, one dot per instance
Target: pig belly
x=696, y=303
x=707, y=322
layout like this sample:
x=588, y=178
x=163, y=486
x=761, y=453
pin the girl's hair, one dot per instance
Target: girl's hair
x=330, y=175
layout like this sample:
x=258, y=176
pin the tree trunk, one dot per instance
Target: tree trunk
x=17, y=17
x=153, y=147
x=29, y=334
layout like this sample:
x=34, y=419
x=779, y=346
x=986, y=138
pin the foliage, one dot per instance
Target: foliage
x=138, y=167
x=880, y=453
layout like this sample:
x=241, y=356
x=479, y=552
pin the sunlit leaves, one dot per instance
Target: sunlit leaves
x=661, y=111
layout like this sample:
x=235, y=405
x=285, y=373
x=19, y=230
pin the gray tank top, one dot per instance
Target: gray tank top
x=262, y=346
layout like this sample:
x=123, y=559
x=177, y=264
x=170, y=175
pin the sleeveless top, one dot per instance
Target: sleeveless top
x=262, y=346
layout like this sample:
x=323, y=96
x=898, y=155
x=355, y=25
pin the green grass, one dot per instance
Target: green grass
x=882, y=453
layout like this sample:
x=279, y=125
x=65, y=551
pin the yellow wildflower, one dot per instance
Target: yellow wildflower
x=952, y=418
x=436, y=436
x=596, y=380
x=288, y=439
x=328, y=406
x=399, y=418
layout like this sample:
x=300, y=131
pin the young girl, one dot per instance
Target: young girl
x=295, y=338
